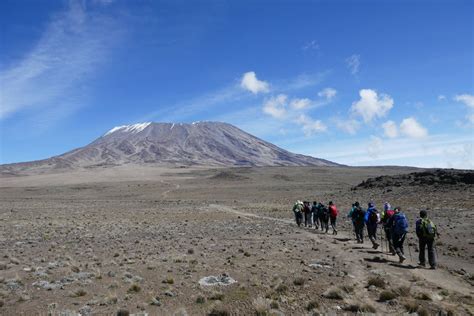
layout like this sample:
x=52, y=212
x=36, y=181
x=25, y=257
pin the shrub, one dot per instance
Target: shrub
x=334, y=294
x=281, y=288
x=79, y=293
x=168, y=280
x=312, y=305
x=219, y=311
x=299, y=281
x=377, y=282
x=411, y=306
x=200, y=300
x=218, y=296
x=135, y=288
x=387, y=296
x=424, y=296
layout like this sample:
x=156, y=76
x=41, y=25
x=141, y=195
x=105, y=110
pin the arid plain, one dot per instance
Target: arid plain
x=141, y=238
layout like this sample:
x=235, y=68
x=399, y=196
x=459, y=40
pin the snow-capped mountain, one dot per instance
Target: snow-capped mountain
x=200, y=143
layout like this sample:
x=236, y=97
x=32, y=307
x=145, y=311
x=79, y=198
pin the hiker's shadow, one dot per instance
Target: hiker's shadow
x=342, y=239
x=376, y=260
x=374, y=252
x=403, y=266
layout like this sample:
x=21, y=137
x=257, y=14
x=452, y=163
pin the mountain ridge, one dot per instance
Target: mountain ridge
x=174, y=144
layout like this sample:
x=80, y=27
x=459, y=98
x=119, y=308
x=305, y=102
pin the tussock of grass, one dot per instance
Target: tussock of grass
x=334, y=294
x=79, y=293
x=299, y=281
x=219, y=311
x=218, y=296
x=424, y=296
x=134, y=288
x=411, y=306
x=281, y=288
x=262, y=306
x=387, y=296
x=312, y=305
x=168, y=280
x=377, y=282
x=358, y=308
x=200, y=300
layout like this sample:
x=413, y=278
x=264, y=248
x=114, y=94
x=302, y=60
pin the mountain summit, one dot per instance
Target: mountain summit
x=199, y=143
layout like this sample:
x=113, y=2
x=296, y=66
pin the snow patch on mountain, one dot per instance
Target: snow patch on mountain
x=134, y=128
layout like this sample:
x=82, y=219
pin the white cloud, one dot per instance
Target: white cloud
x=311, y=45
x=441, y=151
x=411, y=128
x=327, y=93
x=251, y=83
x=350, y=126
x=52, y=76
x=300, y=104
x=390, y=129
x=467, y=99
x=276, y=106
x=374, y=148
x=372, y=105
x=310, y=126
x=353, y=63
x=441, y=97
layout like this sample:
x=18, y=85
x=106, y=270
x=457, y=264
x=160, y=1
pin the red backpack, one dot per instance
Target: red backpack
x=333, y=211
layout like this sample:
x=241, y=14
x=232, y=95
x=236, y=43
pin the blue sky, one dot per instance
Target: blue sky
x=356, y=82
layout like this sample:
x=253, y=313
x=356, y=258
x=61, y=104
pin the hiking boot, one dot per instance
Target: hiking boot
x=376, y=245
x=433, y=267
x=422, y=265
x=402, y=258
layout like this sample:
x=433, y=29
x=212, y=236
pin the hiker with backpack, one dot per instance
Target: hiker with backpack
x=372, y=218
x=384, y=218
x=307, y=214
x=333, y=217
x=314, y=212
x=398, y=224
x=426, y=231
x=298, y=211
x=358, y=216
x=324, y=217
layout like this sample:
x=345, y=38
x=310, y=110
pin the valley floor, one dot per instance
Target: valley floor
x=142, y=239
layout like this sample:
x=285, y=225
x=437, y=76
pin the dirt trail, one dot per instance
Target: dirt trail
x=339, y=246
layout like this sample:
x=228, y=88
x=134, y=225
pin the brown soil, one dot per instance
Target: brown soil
x=140, y=239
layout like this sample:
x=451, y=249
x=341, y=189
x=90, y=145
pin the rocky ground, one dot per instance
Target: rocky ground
x=94, y=243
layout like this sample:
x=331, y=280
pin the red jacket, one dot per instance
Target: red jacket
x=333, y=211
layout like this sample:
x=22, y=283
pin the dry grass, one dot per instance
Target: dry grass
x=387, y=296
x=377, y=282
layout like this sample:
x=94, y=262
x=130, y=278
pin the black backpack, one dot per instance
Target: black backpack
x=358, y=214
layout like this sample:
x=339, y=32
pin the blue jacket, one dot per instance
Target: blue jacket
x=370, y=210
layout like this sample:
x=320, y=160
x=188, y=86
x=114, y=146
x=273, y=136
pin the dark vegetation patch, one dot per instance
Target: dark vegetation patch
x=227, y=175
x=436, y=177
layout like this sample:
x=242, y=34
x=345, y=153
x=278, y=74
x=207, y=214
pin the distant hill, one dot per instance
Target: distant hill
x=201, y=143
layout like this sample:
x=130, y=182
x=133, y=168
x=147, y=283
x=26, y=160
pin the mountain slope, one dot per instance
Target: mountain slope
x=202, y=143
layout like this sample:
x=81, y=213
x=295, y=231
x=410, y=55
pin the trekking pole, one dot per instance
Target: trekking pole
x=409, y=249
x=381, y=241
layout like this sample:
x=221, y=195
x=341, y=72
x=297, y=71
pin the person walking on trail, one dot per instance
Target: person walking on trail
x=349, y=215
x=298, y=211
x=426, y=231
x=358, y=219
x=314, y=212
x=372, y=218
x=398, y=228
x=333, y=216
x=307, y=214
x=324, y=217
x=384, y=218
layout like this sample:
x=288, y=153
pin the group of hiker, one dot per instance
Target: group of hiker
x=318, y=214
x=392, y=220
